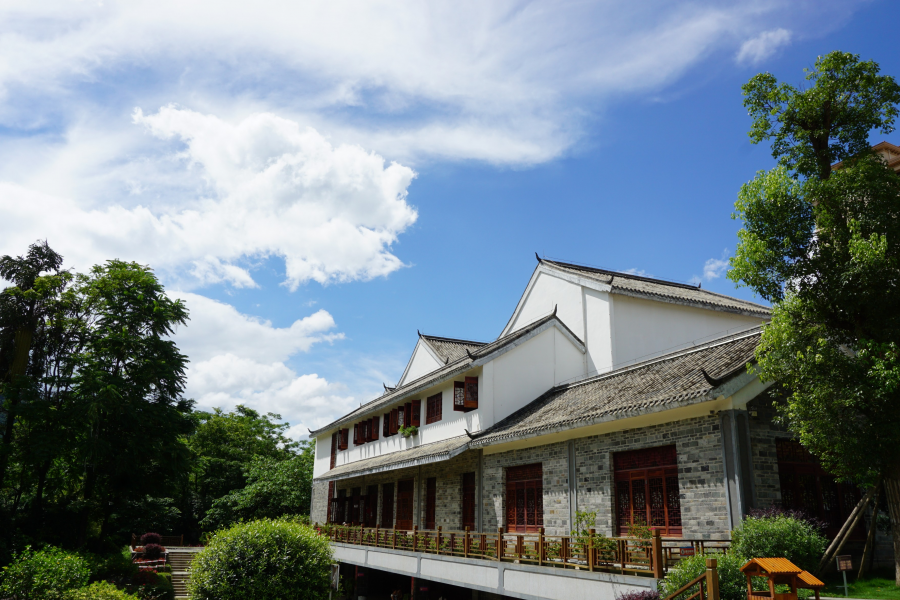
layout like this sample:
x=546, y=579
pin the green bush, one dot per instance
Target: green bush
x=732, y=583
x=100, y=590
x=275, y=559
x=43, y=575
x=780, y=536
x=114, y=566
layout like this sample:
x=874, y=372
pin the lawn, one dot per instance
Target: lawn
x=878, y=586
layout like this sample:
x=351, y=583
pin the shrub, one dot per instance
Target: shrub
x=43, y=575
x=151, y=538
x=100, y=590
x=160, y=588
x=263, y=559
x=771, y=512
x=780, y=536
x=732, y=583
x=105, y=567
x=642, y=595
x=153, y=551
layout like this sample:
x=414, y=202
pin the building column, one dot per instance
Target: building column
x=738, y=463
x=573, y=484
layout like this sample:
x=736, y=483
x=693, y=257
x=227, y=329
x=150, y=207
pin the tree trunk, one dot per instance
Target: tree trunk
x=38, y=508
x=892, y=495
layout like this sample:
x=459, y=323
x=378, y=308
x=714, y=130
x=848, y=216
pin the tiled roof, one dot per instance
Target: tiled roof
x=447, y=371
x=450, y=349
x=411, y=457
x=657, y=289
x=654, y=384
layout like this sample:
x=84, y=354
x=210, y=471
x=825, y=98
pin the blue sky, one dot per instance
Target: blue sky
x=319, y=181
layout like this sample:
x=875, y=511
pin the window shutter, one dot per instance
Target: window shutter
x=335, y=440
x=367, y=430
x=386, y=425
x=433, y=409
x=374, y=428
x=416, y=412
x=395, y=421
x=408, y=409
x=342, y=439
x=459, y=395
x=356, y=434
x=470, y=400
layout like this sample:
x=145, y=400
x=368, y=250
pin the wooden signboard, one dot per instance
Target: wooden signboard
x=844, y=563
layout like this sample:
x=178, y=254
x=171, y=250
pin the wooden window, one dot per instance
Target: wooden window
x=459, y=395
x=343, y=434
x=339, y=507
x=470, y=401
x=355, y=505
x=647, y=489
x=395, y=421
x=405, y=490
x=370, y=506
x=387, y=506
x=386, y=425
x=374, y=428
x=468, y=501
x=525, y=498
x=430, y=501
x=807, y=487
x=356, y=441
x=433, y=408
x=366, y=431
x=407, y=412
x=416, y=417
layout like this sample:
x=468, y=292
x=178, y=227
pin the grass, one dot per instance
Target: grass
x=877, y=586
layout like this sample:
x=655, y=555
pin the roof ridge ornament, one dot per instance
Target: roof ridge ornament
x=538, y=257
x=555, y=306
x=469, y=354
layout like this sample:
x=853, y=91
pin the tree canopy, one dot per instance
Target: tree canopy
x=822, y=242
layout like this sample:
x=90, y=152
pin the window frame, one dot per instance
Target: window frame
x=434, y=406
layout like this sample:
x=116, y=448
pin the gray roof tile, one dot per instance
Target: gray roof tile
x=450, y=349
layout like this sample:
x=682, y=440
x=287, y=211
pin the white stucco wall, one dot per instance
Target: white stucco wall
x=597, y=334
x=421, y=363
x=546, y=292
x=643, y=329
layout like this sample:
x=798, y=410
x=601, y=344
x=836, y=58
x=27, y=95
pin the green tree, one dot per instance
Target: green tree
x=823, y=245
x=226, y=444
x=274, y=489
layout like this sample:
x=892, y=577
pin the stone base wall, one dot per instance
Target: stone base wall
x=318, y=512
x=763, y=435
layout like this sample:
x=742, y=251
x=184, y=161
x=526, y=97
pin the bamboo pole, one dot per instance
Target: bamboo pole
x=844, y=533
x=869, y=550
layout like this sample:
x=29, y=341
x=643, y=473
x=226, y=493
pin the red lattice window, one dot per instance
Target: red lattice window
x=459, y=396
x=387, y=506
x=470, y=401
x=401, y=417
x=395, y=421
x=430, y=501
x=343, y=434
x=647, y=489
x=468, y=501
x=373, y=429
x=405, y=504
x=386, y=425
x=416, y=417
x=806, y=486
x=525, y=498
x=433, y=409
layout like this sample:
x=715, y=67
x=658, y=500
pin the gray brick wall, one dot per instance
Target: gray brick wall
x=763, y=433
x=319, y=509
x=701, y=475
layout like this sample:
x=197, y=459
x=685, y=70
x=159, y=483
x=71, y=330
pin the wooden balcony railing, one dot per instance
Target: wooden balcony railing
x=649, y=557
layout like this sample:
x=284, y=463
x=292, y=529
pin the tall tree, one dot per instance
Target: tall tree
x=823, y=244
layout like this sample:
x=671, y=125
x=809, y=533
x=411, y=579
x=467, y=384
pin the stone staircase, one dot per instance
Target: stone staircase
x=180, y=559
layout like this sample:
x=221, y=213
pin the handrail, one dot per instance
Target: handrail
x=708, y=582
x=591, y=552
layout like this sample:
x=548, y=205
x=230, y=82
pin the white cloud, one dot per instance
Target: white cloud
x=638, y=272
x=712, y=268
x=757, y=49
x=239, y=359
x=262, y=187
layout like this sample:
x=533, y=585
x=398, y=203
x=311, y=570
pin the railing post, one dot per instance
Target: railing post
x=623, y=553
x=394, y=540
x=466, y=542
x=656, y=557
x=416, y=538
x=712, y=579
x=541, y=546
x=376, y=536
x=499, y=541
x=590, y=549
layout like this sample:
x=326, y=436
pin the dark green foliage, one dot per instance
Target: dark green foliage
x=274, y=489
x=732, y=583
x=274, y=559
x=43, y=575
x=780, y=536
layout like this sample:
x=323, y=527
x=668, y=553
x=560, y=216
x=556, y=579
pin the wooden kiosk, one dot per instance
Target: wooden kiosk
x=779, y=571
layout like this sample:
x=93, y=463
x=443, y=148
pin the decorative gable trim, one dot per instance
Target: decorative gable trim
x=552, y=323
x=420, y=344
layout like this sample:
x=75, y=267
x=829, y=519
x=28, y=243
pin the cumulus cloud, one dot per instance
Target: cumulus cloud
x=262, y=187
x=712, y=268
x=240, y=359
x=757, y=49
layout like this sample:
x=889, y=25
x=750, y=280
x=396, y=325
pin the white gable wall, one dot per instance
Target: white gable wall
x=546, y=292
x=420, y=364
x=643, y=329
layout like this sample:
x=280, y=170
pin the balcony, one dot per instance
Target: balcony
x=518, y=565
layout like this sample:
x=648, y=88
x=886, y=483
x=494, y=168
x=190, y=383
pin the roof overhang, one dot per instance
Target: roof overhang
x=411, y=457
